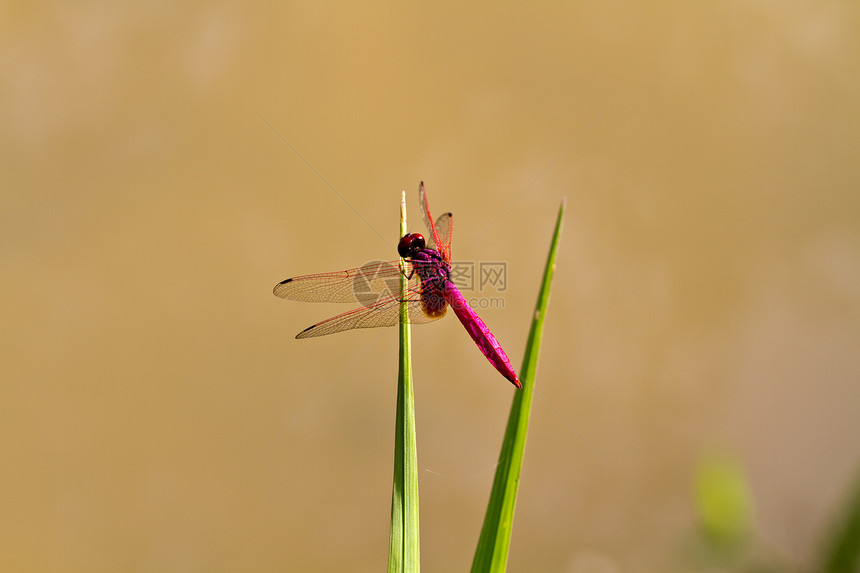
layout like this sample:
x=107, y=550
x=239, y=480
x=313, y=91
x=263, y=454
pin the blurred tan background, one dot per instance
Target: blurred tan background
x=707, y=299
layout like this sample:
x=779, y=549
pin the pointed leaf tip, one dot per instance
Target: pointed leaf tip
x=491, y=554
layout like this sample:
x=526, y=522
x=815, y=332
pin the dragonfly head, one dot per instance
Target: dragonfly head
x=410, y=244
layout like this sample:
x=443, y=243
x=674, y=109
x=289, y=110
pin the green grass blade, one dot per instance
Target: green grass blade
x=843, y=549
x=492, y=551
x=403, y=538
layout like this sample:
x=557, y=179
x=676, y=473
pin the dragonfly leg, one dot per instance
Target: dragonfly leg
x=411, y=273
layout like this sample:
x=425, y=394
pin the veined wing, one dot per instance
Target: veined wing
x=384, y=312
x=366, y=284
x=444, y=228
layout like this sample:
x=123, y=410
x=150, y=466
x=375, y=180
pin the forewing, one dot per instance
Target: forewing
x=385, y=312
x=366, y=284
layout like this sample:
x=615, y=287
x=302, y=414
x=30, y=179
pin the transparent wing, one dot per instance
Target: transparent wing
x=384, y=312
x=365, y=284
x=444, y=228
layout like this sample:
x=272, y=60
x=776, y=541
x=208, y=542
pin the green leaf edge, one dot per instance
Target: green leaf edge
x=491, y=554
x=403, y=548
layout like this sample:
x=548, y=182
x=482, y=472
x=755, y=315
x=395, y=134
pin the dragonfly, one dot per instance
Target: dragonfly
x=376, y=285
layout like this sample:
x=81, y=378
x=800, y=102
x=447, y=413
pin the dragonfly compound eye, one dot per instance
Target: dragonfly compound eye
x=410, y=244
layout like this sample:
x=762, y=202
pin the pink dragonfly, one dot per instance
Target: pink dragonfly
x=377, y=286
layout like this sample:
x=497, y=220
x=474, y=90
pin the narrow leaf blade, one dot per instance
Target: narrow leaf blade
x=403, y=549
x=491, y=555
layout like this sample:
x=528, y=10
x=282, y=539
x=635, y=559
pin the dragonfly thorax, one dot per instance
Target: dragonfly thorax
x=431, y=266
x=435, y=273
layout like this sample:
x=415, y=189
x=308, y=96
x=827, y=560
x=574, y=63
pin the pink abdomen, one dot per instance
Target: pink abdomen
x=479, y=332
